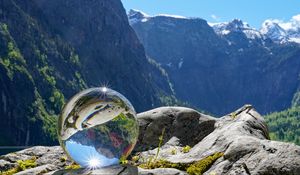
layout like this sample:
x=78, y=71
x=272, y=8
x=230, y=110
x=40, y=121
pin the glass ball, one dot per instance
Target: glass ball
x=98, y=127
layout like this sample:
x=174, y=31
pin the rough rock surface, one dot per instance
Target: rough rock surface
x=178, y=123
x=242, y=136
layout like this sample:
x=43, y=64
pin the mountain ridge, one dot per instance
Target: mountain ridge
x=269, y=29
x=225, y=70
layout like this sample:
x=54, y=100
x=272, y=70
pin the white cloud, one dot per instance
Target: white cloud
x=215, y=17
x=291, y=24
x=296, y=18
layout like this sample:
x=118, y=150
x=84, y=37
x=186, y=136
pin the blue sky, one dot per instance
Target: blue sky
x=252, y=11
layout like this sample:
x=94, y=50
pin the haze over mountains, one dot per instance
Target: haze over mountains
x=218, y=67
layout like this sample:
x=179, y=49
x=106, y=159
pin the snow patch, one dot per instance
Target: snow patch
x=235, y=25
x=180, y=63
x=135, y=16
x=172, y=16
x=169, y=64
x=295, y=40
x=135, y=11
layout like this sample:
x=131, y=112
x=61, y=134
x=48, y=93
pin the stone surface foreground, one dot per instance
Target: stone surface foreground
x=242, y=136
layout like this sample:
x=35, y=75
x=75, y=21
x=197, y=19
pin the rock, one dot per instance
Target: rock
x=5, y=165
x=38, y=170
x=178, y=123
x=44, y=155
x=13, y=157
x=117, y=169
x=120, y=170
x=243, y=138
x=257, y=156
x=236, y=144
x=158, y=171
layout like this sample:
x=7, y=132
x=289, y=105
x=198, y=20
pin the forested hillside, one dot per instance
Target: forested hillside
x=50, y=50
x=285, y=125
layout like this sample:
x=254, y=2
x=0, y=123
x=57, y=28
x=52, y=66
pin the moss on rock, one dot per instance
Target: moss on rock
x=72, y=166
x=195, y=168
x=21, y=166
x=203, y=165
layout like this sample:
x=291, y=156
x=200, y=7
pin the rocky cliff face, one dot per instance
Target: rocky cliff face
x=236, y=144
x=49, y=50
x=222, y=66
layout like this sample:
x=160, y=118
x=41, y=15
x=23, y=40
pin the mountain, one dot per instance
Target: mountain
x=50, y=50
x=218, y=67
x=236, y=25
x=274, y=31
x=281, y=31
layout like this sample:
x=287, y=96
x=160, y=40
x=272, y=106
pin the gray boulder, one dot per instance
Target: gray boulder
x=185, y=124
x=242, y=137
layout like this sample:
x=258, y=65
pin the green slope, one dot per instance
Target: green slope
x=50, y=50
x=285, y=125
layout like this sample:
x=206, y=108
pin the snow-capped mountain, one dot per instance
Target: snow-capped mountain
x=236, y=25
x=223, y=64
x=274, y=31
x=135, y=16
x=282, y=32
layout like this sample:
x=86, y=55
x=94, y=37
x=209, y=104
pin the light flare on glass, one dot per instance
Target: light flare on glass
x=97, y=128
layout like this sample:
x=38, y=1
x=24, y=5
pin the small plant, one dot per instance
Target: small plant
x=186, y=149
x=233, y=115
x=72, y=166
x=63, y=158
x=135, y=158
x=164, y=164
x=21, y=166
x=173, y=151
x=195, y=168
x=149, y=161
x=26, y=164
x=161, y=138
x=123, y=160
x=9, y=172
x=152, y=161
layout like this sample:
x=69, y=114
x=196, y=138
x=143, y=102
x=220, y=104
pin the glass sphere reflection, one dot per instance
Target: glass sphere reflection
x=98, y=127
